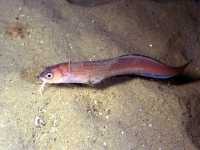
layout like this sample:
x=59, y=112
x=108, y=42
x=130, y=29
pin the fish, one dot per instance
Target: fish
x=94, y=72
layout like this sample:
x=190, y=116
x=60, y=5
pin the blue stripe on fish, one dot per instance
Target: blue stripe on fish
x=156, y=76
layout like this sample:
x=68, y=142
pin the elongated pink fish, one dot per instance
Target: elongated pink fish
x=93, y=72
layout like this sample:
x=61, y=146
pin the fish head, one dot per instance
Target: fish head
x=51, y=75
x=63, y=73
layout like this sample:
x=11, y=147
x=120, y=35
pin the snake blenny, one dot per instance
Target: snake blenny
x=93, y=72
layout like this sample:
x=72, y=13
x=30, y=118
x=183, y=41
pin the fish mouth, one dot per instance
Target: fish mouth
x=40, y=77
x=43, y=79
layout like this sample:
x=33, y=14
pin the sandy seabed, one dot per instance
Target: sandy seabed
x=126, y=113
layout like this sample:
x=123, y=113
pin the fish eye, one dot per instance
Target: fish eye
x=49, y=75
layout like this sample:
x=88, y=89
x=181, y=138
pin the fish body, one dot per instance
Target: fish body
x=93, y=72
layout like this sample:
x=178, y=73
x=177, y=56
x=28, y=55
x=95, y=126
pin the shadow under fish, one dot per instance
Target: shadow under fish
x=91, y=3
